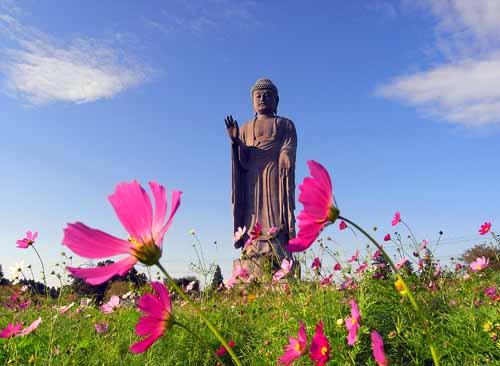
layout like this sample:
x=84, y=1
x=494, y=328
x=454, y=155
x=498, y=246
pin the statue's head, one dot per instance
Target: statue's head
x=265, y=97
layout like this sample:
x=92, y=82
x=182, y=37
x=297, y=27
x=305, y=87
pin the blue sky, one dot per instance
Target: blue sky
x=398, y=99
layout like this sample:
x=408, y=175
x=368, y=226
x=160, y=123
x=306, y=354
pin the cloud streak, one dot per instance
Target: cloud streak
x=462, y=89
x=37, y=69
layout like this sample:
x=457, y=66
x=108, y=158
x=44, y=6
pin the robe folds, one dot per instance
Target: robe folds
x=262, y=190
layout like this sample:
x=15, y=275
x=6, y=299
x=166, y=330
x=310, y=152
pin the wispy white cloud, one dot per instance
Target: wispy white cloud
x=39, y=70
x=202, y=16
x=463, y=88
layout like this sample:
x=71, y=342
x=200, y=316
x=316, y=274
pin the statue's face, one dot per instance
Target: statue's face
x=264, y=101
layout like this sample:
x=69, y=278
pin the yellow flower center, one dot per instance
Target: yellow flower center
x=147, y=253
x=324, y=351
x=137, y=243
x=353, y=321
x=297, y=347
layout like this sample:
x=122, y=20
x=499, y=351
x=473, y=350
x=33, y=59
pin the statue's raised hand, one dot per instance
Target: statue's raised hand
x=232, y=128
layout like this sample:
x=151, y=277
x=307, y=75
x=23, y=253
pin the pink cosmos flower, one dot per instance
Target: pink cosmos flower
x=190, y=286
x=28, y=240
x=354, y=257
x=111, y=305
x=222, y=350
x=295, y=348
x=272, y=231
x=320, y=347
x=387, y=237
x=14, y=330
x=239, y=234
x=159, y=317
x=437, y=269
x=342, y=225
x=402, y=262
x=352, y=323
x=378, y=349
x=479, y=264
x=64, y=309
x=317, y=198
x=485, y=228
x=286, y=267
x=326, y=281
x=377, y=254
x=133, y=208
x=337, y=267
x=362, y=268
x=101, y=327
x=396, y=219
x=238, y=273
x=424, y=244
x=316, y=264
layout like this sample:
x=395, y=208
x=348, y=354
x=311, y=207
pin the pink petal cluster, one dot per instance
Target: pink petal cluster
x=222, y=350
x=239, y=233
x=316, y=195
x=286, y=267
x=354, y=257
x=352, y=324
x=424, y=244
x=362, y=268
x=316, y=264
x=319, y=350
x=378, y=349
x=479, y=264
x=15, y=330
x=28, y=240
x=485, y=228
x=326, y=281
x=147, y=230
x=254, y=234
x=238, y=273
x=295, y=348
x=337, y=267
x=387, y=237
x=342, y=225
x=111, y=305
x=397, y=219
x=102, y=327
x=402, y=262
x=159, y=319
x=272, y=231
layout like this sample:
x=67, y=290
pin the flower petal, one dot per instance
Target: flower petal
x=176, y=201
x=160, y=213
x=93, y=243
x=133, y=208
x=162, y=291
x=98, y=275
x=143, y=345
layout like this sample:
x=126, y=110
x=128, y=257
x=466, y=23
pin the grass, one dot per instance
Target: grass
x=260, y=318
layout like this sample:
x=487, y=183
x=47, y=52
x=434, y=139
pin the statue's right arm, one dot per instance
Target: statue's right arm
x=232, y=129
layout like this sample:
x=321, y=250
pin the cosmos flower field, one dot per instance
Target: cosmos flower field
x=369, y=309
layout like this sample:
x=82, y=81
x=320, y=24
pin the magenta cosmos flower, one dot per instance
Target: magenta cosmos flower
x=295, y=348
x=479, y=264
x=316, y=195
x=28, y=240
x=378, y=349
x=14, y=330
x=342, y=225
x=320, y=348
x=286, y=267
x=396, y=219
x=159, y=310
x=352, y=323
x=485, y=228
x=111, y=305
x=134, y=210
x=316, y=264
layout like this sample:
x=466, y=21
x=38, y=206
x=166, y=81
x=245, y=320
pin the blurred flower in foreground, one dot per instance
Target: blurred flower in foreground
x=400, y=286
x=396, y=219
x=111, y=305
x=14, y=330
x=378, y=349
x=479, y=264
x=316, y=195
x=158, y=307
x=320, y=347
x=295, y=348
x=485, y=228
x=352, y=324
x=28, y=240
x=133, y=208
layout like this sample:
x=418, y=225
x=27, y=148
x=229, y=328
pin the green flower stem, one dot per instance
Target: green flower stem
x=201, y=340
x=202, y=315
x=408, y=291
x=43, y=269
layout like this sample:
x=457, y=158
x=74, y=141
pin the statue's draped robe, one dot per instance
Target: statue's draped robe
x=260, y=191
